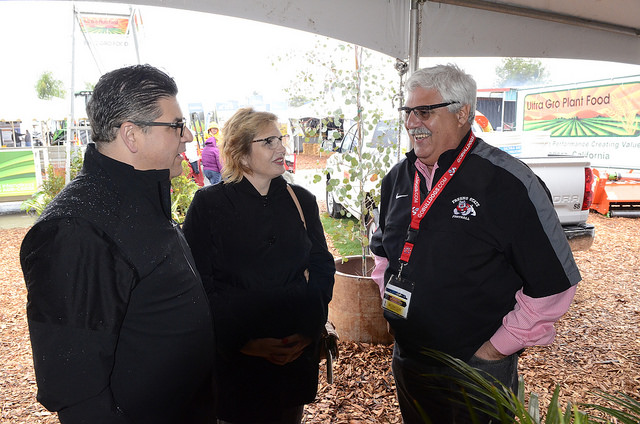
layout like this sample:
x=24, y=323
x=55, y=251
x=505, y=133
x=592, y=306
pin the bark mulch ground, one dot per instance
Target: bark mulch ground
x=597, y=346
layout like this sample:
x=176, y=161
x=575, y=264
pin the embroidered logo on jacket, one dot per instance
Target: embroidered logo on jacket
x=465, y=207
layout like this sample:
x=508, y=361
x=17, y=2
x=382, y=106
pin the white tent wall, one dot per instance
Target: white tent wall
x=449, y=30
x=572, y=29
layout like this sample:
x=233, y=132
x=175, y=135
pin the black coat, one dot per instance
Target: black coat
x=491, y=232
x=119, y=320
x=251, y=252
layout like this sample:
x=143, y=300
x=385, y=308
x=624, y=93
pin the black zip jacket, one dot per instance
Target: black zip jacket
x=491, y=232
x=251, y=251
x=119, y=320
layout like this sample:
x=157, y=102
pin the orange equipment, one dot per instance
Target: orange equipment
x=483, y=122
x=616, y=195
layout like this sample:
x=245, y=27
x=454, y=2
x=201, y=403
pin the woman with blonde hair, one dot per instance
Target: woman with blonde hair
x=253, y=252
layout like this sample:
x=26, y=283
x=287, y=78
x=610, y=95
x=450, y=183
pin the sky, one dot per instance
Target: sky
x=213, y=58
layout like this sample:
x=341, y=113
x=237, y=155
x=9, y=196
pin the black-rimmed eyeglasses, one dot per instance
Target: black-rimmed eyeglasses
x=180, y=124
x=271, y=142
x=423, y=112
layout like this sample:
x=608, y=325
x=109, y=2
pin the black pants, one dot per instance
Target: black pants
x=289, y=416
x=426, y=399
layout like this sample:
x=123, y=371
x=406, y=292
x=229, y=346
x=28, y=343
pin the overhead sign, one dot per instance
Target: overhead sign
x=599, y=122
x=113, y=25
x=599, y=111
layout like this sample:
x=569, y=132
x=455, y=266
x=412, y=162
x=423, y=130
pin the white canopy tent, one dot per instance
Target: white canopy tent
x=409, y=29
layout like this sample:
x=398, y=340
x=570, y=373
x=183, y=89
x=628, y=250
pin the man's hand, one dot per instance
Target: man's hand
x=277, y=351
x=488, y=352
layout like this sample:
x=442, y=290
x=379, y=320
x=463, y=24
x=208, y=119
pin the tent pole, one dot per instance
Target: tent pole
x=415, y=23
x=134, y=31
x=70, y=126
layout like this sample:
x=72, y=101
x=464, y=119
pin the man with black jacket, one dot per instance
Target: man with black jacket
x=119, y=321
x=475, y=261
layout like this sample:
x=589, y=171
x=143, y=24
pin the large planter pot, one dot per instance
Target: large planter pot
x=356, y=309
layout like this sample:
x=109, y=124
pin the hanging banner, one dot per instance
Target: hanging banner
x=599, y=111
x=110, y=25
x=598, y=121
x=17, y=173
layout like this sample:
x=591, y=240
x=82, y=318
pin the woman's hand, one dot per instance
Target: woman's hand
x=277, y=351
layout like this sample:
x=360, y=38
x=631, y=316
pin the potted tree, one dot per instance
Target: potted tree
x=353, y=177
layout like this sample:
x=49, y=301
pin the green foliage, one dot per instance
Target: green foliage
x=341, y=232
x=347, y=85
x=183, y=189
x=298, y=100
x=517, y=72
x=503, y=405
x=52, y=184
x=48, y=87
x=626, y=412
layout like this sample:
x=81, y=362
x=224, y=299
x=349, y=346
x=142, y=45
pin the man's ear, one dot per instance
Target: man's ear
x=463, y=114
x=128, y=135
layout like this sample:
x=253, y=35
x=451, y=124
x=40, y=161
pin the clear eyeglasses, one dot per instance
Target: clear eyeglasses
x=271, y=142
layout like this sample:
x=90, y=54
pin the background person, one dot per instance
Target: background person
x=192, y=155
x=486, y=270
x=252, y=250
x=211, y=155
x=27, y=138
x=119, y=321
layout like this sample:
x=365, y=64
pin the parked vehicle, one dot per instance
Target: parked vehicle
x=597, y=120
x=385, y=138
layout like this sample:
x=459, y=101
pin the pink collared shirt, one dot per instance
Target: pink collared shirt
x=530, y=323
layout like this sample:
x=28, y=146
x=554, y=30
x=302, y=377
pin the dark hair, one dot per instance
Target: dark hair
x=127, y=94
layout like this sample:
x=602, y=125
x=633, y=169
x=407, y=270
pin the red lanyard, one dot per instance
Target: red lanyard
x=419, y=211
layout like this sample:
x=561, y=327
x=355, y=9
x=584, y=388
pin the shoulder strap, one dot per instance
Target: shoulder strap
x=295, y=200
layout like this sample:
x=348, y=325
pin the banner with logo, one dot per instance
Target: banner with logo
x=17, y=173
x=601, y=111
x=600, y=122
x=94, y=24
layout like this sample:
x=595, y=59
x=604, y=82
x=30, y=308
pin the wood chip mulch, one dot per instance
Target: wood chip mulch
x=597, y=345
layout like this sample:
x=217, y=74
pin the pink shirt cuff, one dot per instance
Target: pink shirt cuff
x=378, y=272
x=531, y=322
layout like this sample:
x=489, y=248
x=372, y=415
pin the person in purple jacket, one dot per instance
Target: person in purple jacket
x=211, y=155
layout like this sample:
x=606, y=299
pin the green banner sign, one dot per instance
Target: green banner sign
x=17, y=173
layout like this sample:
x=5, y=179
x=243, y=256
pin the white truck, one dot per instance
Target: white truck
x=568, y=178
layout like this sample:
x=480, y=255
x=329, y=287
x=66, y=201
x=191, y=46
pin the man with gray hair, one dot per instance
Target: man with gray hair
x=119, y=320
x=475, y=261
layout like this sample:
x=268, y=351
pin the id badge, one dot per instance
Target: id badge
x=397, y=296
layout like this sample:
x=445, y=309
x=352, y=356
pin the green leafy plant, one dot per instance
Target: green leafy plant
x=622, y=407
x=53, y=182
x=516, y=71
x=183, y=189
x=341, y=232
x=493, y=398
x=47, y=87
x=348, y=85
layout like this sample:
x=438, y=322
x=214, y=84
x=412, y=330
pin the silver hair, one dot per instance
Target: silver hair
x=451, y=82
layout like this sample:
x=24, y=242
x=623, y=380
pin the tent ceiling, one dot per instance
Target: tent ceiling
x=576, y=29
